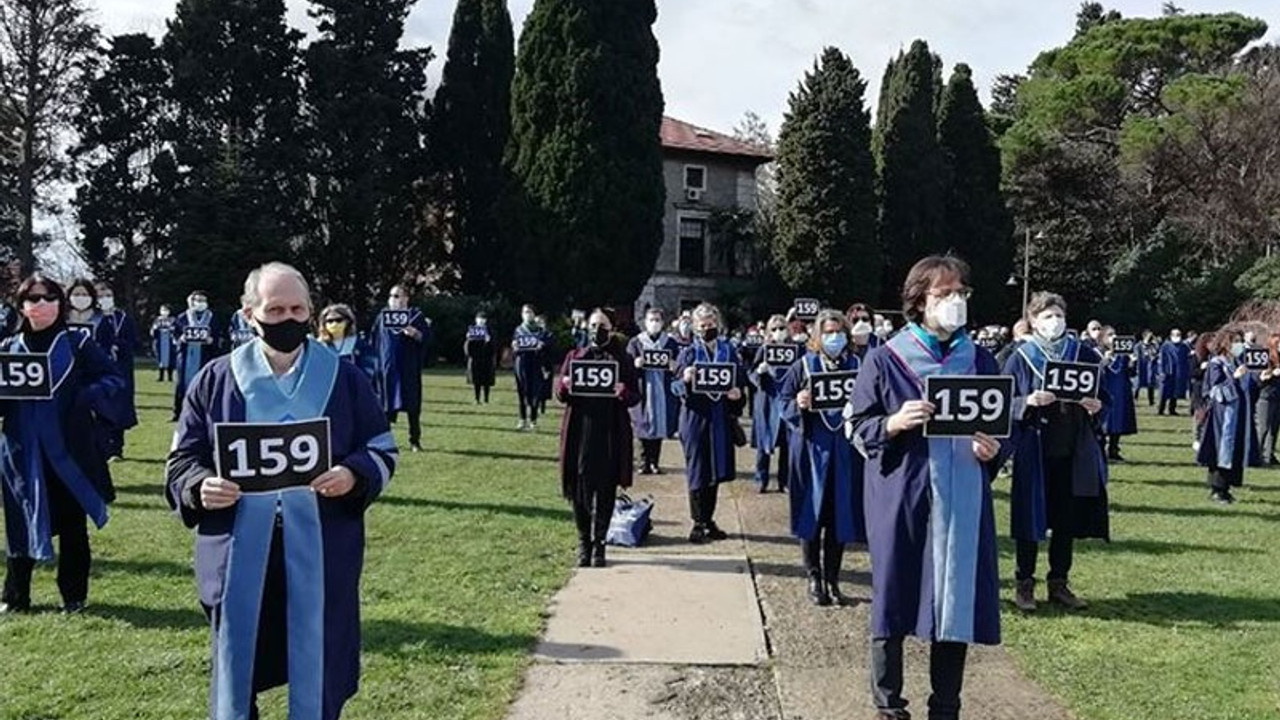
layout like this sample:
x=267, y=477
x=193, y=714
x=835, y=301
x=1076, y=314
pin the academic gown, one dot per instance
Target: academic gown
x=596, y=447
x=85, y=385
x=820, y=458
x=766, y=404
x=657, y=415
x=361, y=440
x=1148, y=355
x=357, y=351
x=932, y=539
x=239, y=331
x=123, y=352
x=400, y=360
x=530, y=345
x=162, y=345
x=478, y=349
x=704, y=419
x=191, y=356
x=1089, y=512
x=1229, y=420
x=1175, y=369
x=1119, y=417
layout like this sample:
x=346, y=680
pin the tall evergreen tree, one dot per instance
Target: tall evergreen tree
x=471, y=128
x=367, y=109
x=825, y=243
x=240, y=176
x=978, y=225
x=912, y=181
x=585, y=150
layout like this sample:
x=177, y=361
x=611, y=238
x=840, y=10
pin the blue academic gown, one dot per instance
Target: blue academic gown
x=400, y=360
x=323, y=667
x=357, y=351
x=930, y=532
x=821, y=458
x=123, y=352
x=162, y=344
x=1089, y=514
x=657, y=415
x=530, y=346
x=57, y=435
x=1230, y=418
x=1175, y=369
x=704, y=419
x=1148, y=355
x=767, y=428
x=239, y=331
x=191, y=357
x=1119, y=417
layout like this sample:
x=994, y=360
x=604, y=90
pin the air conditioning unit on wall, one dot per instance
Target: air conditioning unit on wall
x=693, y=195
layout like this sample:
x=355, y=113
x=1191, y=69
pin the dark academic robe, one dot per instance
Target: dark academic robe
x=400, y=360
x=1119, y=417
x=766, y=405
x=1229, y=427
x=596, y=446
x=191, y=357
x=657, y=415
x=239, y=331
x=322, y=665
x=54, y=441
x=530, y=346
x=123, y=353
x=930, y=524
x=162, y=343
x=704, y=419
x=821, y=458
x=1029, y=493
x=1175, y=369
x=1148, y=355
x=357, y=351
x=481, y=359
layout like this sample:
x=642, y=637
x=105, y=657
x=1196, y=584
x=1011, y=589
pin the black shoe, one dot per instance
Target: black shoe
x=715, y=533
x=763, y=488
x=818, y=592
x=597, y=555
x=782, y=488
x=698, y=535
x=1115, y=457
x=584, y=553
x=15, y=608
x=1221, y=497
x=73, y=608
x=648, y=469
x=837, y=597
x=657, y=470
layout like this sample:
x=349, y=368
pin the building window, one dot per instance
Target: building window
x=695, y=177
x=693, y=246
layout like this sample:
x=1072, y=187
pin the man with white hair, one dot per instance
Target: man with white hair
x=279, y=449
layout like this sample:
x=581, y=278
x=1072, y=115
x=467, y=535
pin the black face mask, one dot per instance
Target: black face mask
x=284, y=336
x=709, y=334
x=600, y=337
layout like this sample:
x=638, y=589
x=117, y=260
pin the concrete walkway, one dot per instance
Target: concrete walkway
x=674, y=631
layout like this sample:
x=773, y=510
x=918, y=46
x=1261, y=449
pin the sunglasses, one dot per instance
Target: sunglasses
x=335, y=321
x=40, y=298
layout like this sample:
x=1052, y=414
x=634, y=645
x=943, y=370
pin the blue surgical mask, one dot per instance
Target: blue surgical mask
x=834, y=343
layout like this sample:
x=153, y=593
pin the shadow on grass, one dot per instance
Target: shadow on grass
x=1177, y=608
x=1130, y=462
x=401, y=639
x=167, y=568
x=518, y=510
x=144, y=507
x=495, y=455
x=1205, y=512
x=1159, y=443
x=1160, y=547
x=145, y=461
x=151, y=618
x=483, y=428
x=147, y=489
x=1159, y=483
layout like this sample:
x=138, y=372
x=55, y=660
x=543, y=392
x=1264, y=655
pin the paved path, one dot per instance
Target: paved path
x=674, y=631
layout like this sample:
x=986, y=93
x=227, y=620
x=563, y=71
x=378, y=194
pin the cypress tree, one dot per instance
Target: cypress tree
x=978, y=225
x=585, y=151
x=825, y=242
x=471, y=128
x=912, y=182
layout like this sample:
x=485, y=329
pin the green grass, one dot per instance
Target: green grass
x=463, y=554
x=1184, y=617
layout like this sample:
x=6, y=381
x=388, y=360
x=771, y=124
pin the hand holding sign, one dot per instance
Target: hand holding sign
x=1257, y=358
x=334, y=483
x=910, y=416
x=593, y=378
x=985, y=447
x=259, y=457
x=218, y=494
x=1072, y=381
x=968, y=406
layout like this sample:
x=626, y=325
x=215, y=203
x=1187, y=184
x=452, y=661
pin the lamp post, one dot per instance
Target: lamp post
x=1026, y=267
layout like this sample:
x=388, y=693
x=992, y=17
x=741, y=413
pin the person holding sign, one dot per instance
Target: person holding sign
x=654, y=353
x=482, y=363
x=400, y=336
x=768, y=432
x=163, y=345
x=239, y=331
x=53, y=475
x=1268, y=408
x=597, y=384
x=825, y=472
x=125, y=346
x=1060, y=475
x=280, y=449
x=530, y=346
x=930, y=524
x=1229, y=442
x=195, y=334
x=1147, y=354
x=339, y=333
x=1174, y=373
x=709, y=385
x=861, y=331
x=83, y=315
x=1120, y=417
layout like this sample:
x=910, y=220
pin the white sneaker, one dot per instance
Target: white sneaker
x=522, y=424
x=533, y=427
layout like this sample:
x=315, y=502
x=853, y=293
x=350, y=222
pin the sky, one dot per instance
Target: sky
x=721, y=58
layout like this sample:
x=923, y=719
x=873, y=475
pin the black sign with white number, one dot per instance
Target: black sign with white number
x=969, y=404
x=989, y=343
x=806, y=308
x=831, y=390
x=85, y=329
x=1072, y=381
x=592, y=377
x=714, y=378
x=1257, y=358
x=1124, y=344
x=396, y=319
x=25, y=376
x=781, y=355
x=260, y=457
x=753, y=340
x=656, y=359
x=197, y=335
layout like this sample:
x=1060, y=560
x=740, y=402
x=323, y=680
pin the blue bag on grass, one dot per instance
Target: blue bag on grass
x=630, y=523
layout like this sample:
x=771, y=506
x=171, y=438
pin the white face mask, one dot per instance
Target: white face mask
x=862, y=328
x=164, y=313
x=779, y=336
x=1051, y=328
x=951, y=313
x=653, y=327
x=397, y=303
x=527, y=318
x=1175, y=338
x=480, y=322
x=107, y=303
x=199, y=305
x=81, y=302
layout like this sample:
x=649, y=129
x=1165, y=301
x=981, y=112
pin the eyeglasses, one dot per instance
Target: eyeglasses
x=48, y=297
x=395, y=295
x=862, y=318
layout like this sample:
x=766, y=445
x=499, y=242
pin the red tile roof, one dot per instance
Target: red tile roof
x=679, y=135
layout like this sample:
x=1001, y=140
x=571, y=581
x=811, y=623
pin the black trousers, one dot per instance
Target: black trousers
x=74, y=555
x=165, y=374
x=415, y=424
x=482, y=389
x=702, y=504
x=824, y=554
x=1062, y=542
x=1113, y=445
x=650, y=452
x=592, y=510
x=1170, y=402
x=528, y=402
x=946, y=677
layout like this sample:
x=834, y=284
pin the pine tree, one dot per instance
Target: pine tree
x=366, y=108
x=825, y=244
x=585, y=152
x=912, y=183
x=978, y=225
x=471, y=128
